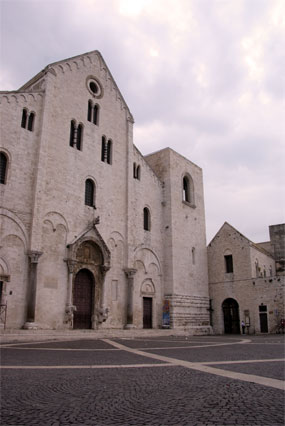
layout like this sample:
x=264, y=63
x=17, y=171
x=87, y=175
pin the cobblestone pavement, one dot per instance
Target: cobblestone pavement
x=210, y=380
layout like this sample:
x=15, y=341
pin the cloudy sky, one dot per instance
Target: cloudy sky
x=204, y=77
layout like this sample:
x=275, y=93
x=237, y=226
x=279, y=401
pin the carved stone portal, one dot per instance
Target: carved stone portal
x=89, y=252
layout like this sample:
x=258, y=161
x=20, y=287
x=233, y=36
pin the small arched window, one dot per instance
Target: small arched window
x=188, y=190
x=72, y=133
x=109, y=152
x=96, y=114
x=135, y=170
x=139, y=172
x=31, y=121
x=89, y=193
x=3, y=167
x=24, y=118
x=146, y=219
x=79, y=136
x=89, y=112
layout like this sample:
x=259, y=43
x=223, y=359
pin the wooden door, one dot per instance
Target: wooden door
x=83, y=299
x=231, y=316
x=147, y=312
x=263, y=322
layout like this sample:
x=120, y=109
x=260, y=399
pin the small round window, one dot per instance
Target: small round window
x=94, y=87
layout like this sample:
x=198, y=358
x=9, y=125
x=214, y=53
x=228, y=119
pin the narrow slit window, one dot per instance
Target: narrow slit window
x=193, y=256
x=89, y=112
x=79, y=137
x=72, y=133
x=135, y=170
x=31, y=122
x=95, y=114
x=3, y=168
x=103, y=149
x=109, y=152
x=139, y=172
x=146, y=219
x=24, y=118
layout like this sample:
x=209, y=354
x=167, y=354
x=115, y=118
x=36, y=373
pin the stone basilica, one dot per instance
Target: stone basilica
x=94, y=234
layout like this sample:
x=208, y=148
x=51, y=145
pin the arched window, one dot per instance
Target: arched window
x=139, y=172
x=96, y=114
x=89, y=113
x=31, y=121
x=188, y=190
x=89, y=193
x=79, y=136
x=103, y=149
x=72, y=133
x=3, y=167
x=109, y=152
x=146, y=219
x=24, y=118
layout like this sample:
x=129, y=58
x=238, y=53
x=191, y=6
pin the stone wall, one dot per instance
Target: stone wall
x=250, y=295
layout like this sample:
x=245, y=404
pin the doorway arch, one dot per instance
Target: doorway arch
x=83, y=299
x=231, y=316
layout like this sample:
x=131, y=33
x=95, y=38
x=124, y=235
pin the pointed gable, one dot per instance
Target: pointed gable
x=93, y=59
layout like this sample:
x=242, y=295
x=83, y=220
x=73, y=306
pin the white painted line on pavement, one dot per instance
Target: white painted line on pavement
x=14, y=346
x=265, y=381
x=247, y=361
x=71, y=367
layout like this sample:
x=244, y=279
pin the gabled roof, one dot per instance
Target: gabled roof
x=251, y=243
x=49, y=68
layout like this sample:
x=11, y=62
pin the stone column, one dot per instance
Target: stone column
x=130, y=283
x=3, y=301
x=70, y=265
x=32, y=289
x=70, y=308
x=103, y=310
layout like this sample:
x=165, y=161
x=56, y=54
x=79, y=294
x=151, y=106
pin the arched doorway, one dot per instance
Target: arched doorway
x=83, y=299
x=231, y=316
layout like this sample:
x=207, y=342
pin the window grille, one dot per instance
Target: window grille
x=89, y=193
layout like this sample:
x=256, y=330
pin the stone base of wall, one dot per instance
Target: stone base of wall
x=190, y=312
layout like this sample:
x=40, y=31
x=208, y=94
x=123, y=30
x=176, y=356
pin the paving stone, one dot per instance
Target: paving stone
x=133, y=396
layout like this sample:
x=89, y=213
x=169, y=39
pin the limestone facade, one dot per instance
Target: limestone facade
x=244, y=284
x=94, y=234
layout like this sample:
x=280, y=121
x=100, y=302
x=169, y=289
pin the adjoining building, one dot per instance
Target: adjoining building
x=93, y=233
x=246, y=281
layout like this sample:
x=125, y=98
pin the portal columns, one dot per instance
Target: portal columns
x=130, y=273
x=32, y=289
